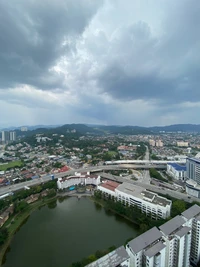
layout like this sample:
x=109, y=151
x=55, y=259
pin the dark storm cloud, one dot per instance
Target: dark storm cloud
x=31, y=37
x=144, y=64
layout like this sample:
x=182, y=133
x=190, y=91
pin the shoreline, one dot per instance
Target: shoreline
x=19, y=219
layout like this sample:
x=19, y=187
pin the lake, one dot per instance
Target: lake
x=63, y=232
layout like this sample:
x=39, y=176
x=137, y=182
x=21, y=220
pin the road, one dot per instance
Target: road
x=172, y=193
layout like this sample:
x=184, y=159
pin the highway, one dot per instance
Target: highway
x=164, y=191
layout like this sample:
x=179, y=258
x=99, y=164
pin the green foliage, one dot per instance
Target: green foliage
x=178, y=207
x=11, y=165
x=98, y=254
x=155, y=174
x=3, y=235
x=20, y=206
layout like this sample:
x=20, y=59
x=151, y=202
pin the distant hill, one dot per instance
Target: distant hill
x=128, y=130
x=177, y=128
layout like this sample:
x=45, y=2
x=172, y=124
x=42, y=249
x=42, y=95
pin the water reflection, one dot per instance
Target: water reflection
x=52, y=205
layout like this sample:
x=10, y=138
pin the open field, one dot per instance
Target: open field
x=17, y=163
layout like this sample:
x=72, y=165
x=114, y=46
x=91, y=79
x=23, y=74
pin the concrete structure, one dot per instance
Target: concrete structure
x=79, y=178
x=177, y=238
x=5, y=137
x=116, y=258
x=193, y=176
x=147, y=249
x=13, y=136
x=150, y=203
x=159, y=143
x=177, y=171
x=192, y=219
x=182, y=144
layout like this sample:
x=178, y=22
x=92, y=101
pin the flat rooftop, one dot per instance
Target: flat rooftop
x=173, y=225
x=143, y=241
x=191, y=212
x=145, y=195
x=112, y=259
x=76, y=177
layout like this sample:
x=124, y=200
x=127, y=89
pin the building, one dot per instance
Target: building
x=177, y=171
x=78, y=178
x=147, y=249
x=5, y=137
x=177, y=238
x=152, y=142
x=24, y=129
x=192, y=218
x=150, y=203
x=182, y=144
x=159, y=143
x=116, y=258
x=193, y=176
x=13, y=136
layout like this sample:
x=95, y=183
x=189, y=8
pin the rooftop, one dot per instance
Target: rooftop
x=172, y=225
x=141, y=242
x=145, y=195
x=197, y=160
x=153, y=250
x=177, y=166
x=191, y=212
x=110, y=185
x=184, y=230
x=112, y=259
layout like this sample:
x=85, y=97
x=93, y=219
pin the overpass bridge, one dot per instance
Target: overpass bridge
x=151, y=162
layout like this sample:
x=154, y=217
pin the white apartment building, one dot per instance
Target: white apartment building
x=150, y=203
x=177, y=171
x=83, y=179
x=182, y=144
x=192, y=219
x=177, y=238
x=147, y=249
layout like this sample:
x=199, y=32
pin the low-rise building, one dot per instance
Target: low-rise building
x=79, y=178
x=150, y=203
x=177, y=171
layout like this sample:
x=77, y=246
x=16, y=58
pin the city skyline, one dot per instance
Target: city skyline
x=99, y=62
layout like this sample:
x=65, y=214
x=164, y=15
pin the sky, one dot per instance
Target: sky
x=111, y=62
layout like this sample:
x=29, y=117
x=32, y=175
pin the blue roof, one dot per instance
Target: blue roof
x=177, y=166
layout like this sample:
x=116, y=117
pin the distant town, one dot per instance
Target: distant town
x=137, y=167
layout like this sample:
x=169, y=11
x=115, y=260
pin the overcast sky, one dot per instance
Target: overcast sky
x=124, y=62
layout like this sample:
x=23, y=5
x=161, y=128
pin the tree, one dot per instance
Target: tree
x=178, y=207
x=3, y=235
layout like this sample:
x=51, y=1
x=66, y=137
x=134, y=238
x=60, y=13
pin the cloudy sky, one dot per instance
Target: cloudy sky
x=125, y=62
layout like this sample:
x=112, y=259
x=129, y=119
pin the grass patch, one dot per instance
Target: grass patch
x=12, y=164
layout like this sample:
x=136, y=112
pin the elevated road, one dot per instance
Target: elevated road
x=164, y=191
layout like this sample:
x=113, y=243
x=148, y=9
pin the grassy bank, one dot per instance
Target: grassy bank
x=16, y=221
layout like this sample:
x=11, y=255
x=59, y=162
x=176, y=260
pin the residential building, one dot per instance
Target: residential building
x=177, y=238
x=5, y=136
x=192, y=219
x=150, y=203
x=177, y=171
x=182, y=144
x=147, y=249
x=13, y=136
x=79, y=178
x=159, y=143
x=193, y=176
x=152, y=142
x=116, y=258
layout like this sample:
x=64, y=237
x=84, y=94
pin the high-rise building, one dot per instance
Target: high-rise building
x=5, y=136
x=193, y=176
x=13, y=136
x=24, y=129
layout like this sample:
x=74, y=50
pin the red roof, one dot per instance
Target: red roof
x=64, y=169
x=110, y=185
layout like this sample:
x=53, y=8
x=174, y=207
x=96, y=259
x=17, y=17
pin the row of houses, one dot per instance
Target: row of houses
x=174, y=244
